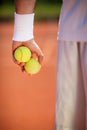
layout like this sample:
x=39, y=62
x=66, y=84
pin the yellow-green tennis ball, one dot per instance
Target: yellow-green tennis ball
x=22, y=54
x=32, y=66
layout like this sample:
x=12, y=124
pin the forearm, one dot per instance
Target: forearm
x=24, y=6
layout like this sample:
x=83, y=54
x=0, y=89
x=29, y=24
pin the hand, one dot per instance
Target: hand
x=32, y=45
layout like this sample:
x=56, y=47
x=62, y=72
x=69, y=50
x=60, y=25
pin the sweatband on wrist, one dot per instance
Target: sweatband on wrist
x=23, y=27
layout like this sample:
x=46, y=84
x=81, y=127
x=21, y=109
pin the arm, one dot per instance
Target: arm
x=24, y=7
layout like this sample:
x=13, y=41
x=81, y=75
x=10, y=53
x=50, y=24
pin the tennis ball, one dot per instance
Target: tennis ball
x=32, y=66
x=22, y=54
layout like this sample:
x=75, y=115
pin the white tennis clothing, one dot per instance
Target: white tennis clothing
x=73, y=21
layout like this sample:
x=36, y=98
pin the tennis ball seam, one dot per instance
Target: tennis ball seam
x=21, y=54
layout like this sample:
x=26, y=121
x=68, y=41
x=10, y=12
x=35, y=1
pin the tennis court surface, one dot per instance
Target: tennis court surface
x=28, y=102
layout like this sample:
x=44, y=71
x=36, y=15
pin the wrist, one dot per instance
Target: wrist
x=23, y=27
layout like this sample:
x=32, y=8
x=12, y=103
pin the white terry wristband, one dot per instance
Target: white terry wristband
x=23, y=27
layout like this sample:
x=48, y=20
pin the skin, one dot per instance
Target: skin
x=26, y=7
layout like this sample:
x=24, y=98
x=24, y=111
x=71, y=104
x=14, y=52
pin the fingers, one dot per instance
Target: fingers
x=21, y=64
x=40, y=59
x=38, y=56
x=37, y=53
x=35, y=49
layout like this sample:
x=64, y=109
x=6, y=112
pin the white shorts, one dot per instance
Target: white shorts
x=71, y=96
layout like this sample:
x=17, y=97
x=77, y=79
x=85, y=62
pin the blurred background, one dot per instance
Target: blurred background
x=28, y=102
x=45, y=9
